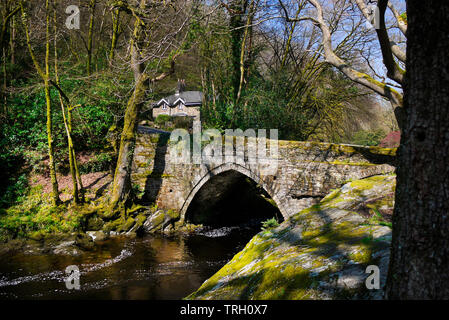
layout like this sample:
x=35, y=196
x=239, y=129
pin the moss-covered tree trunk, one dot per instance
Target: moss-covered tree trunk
x=51, y=152
x=12, y=44
x=122, y=176
x=75, y=163
x=419, y=265
x=243, y=51
x=115, y=30
x=92, y=5
x=70, y=145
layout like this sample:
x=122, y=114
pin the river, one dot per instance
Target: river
x=149, y=267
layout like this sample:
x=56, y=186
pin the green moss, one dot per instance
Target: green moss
x=94, y=223
x=112, y=225
x=349, y=163
x=158, y=219
x=174, y=214
x=290, y=261
x=154, y=138
x=368, y=183
x=141, y=218
x=362, y=255
x=380, y=84
x=36, y=213
x=128, y=224
x=136, y=208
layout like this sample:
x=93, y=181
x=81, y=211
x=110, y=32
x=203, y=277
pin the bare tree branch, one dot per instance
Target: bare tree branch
x=402, y=24
x=394, y=70
x=359, y=77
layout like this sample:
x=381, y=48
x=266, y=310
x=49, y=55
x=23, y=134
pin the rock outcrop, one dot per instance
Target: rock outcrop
x=321, y=252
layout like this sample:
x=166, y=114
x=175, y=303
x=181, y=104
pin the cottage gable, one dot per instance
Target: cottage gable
x=182, y=103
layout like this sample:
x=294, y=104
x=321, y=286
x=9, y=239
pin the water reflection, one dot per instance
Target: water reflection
x=152, y=267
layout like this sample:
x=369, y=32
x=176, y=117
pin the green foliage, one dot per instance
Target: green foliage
x=286, y=98
x=269, y=224
x=25, y=123
x=23, y=132
x=404, y=17
x=136, y=191
x=162, y=119
x=368, y=138
x=15, y=191
x=182, y=122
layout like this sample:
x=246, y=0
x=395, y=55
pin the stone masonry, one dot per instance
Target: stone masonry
x=306, y=172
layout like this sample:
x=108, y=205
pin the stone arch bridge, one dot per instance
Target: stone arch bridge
x=306, y=172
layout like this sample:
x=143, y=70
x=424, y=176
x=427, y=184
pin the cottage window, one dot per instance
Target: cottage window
x=181, y=106
x=164, y=106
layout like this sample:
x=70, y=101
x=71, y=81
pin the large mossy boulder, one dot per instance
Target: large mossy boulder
x=320, y=253
x=159, y=220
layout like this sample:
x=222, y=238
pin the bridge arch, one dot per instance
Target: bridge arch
x=222, y=169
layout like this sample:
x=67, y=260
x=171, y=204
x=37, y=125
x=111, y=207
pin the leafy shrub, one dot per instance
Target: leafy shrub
x=162, y=119
x=368, y=138
x=269, y=224
x=182, y=122
x=14, y=191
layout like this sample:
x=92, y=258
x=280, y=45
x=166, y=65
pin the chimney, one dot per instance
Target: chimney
x=180, y=87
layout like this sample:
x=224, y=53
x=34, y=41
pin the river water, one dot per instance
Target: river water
x=150, y=267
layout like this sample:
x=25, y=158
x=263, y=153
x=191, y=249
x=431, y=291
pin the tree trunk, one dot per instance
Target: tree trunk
x=51, y=152
x=71, y=149
x=122, y=177
x=13, y=41
x=90, y=36
x=3, y=96
x=75, y=163
x=242, y=53
x=115, y=29
x=45, y=75
x=419, y=262
x=236, y=24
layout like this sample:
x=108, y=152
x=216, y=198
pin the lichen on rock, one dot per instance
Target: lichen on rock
x=320, y=253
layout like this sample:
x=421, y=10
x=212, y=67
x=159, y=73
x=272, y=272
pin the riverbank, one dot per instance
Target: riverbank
x=34, y=222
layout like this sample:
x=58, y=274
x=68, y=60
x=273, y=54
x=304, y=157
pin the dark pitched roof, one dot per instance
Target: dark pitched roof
x=188, y=98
